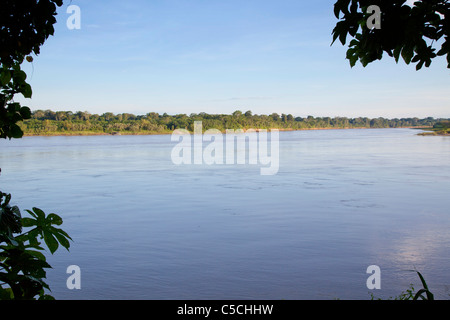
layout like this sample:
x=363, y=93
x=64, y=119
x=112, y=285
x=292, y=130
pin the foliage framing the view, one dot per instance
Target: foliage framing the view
x=24, y=27
x=22, y=264
x=408, y=32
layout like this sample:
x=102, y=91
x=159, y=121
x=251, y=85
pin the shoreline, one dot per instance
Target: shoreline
x=151, y=133
x=434, y=134
x=436, y=131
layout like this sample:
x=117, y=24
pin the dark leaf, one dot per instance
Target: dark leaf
x=40, y=215
x=5, y=77
x=62, y=240
x=50, y=241
x=28, y=222
x=420, y=65
x=19, y=76
x=26, y=90
x=407, y=54
x=16, y=132
x=54, y=219
x=25, y=112
x=39, y=255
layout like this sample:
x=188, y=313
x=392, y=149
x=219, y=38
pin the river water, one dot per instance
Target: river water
x=145, y=228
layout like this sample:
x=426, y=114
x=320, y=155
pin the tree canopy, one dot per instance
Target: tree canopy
x=417, y=33
x=48, y=122
x=24, y=27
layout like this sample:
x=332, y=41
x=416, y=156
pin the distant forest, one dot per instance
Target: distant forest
x=47, y=122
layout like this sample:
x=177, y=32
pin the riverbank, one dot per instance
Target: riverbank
x=440, y=129
x=65, y=123
x=167, y=132
x=92, y=133
x=435, y=133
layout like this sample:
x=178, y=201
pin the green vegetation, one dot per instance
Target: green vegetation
x=441, y=128
x=411, y=293
x=22, y=264
x=418, y=34
x=24, y=27
x=83, y=123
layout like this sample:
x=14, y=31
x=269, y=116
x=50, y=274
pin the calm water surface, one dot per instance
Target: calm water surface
x=144, y=228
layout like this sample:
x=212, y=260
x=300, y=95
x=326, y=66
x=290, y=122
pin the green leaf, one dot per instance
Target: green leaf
x=28, y=222
x=7, y=199
x=5, y=77
x=354, y=43
x=340, y=31
x=419, y=294
x=407, y=54
x=353, y=59
x=6, y=294
x=16, y=132
x=62, y=240
x=25, y=112
x=335, y=34
x=32, y=213
x=19, y=76
x=39, y=214
x=422, y=280
x=50, y=241
x=336, y=10
x=420, y=65
x=13, y=107
x=37, y=254
x=54, y=219
x=343, y=37
x=32, y=237
x=415, y=59
x=63, y=233
x=26, y=90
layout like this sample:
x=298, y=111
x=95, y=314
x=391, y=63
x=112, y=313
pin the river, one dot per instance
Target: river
x=146, y=228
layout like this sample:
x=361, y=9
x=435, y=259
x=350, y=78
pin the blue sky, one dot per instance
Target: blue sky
x=190, y=56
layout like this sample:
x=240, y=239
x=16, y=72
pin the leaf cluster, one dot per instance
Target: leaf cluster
x=22, y=262
x=13, y=81
x=24, y=27
x=407, y=32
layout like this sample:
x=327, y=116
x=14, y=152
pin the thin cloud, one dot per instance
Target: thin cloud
x=244, y=98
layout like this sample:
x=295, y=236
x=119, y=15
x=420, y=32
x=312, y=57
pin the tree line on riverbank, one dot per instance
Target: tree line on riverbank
x=441, y=128
x=47, y=122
